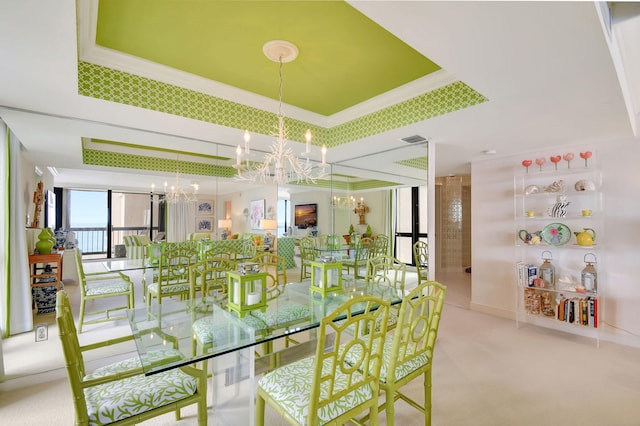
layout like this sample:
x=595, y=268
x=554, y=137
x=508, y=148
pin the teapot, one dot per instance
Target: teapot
x=586, y=238
x=529, y=237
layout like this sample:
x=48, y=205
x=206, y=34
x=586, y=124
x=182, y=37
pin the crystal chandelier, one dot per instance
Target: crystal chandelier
x=176, y=193
x=280, y=166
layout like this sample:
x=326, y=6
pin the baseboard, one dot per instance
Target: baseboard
x=502, y=313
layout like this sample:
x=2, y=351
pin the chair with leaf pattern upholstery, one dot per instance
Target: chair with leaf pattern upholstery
x=173, y=273
x=324, y=389
x=120, y=393
x=408, y=351
x=102, y=285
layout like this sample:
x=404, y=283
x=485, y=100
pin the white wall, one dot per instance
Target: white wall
x=493, y=252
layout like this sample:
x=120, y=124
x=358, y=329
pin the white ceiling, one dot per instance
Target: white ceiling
x=544, y=66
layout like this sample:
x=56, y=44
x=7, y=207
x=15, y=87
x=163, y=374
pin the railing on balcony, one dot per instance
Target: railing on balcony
x=93, y=240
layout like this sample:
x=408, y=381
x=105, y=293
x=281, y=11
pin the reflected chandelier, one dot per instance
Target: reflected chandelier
x=175, y=193
x=280, y=166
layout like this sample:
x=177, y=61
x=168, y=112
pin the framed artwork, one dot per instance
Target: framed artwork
x=256, y=213
x=204, y=208
x=204, y=224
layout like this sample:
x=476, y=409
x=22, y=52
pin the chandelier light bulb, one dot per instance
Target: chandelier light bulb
x=307, y=138
x=247, y=139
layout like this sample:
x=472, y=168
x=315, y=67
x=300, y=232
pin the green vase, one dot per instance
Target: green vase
x=45, y=244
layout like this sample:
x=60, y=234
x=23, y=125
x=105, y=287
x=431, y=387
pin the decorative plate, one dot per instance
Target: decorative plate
x=556, y=234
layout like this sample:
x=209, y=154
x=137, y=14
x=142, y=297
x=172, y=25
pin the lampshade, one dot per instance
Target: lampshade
x=268, y=224
x=224, y=223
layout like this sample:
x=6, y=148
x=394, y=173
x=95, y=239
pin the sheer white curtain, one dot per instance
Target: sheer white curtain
x=15, y=298
x=179, y=216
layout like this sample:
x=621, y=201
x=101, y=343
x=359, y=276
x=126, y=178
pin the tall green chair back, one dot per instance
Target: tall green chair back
x=325, y=389
x=421, y=259
x=409, y=353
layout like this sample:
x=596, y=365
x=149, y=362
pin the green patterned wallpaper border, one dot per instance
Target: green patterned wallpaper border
x=421, y=163
x=156, y=149
x=143, y=162
x=118, y=86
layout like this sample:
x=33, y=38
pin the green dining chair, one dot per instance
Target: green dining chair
x=307, y=255
x=173, y=273
x=120, y=393
x=324, y=389
x=102, y=285
x=408, y=351
x=360, y=258
x=421, y=259
x=388, y=274
x=209, y=277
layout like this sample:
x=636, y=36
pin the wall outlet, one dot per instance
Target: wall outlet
x=42, y=332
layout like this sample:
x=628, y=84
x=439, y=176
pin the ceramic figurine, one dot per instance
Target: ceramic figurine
x=559, y=209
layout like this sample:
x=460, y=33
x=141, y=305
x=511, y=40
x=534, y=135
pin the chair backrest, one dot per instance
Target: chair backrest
x=333, y=377
x=72, y=354
x=379, y=246
x=417, y=328
x=82, y=278
x=211, y=275
x=387, y=270
x=306, y=249
x=421, y=258
x=363, y=247
x=274, y=266
x=175, y=262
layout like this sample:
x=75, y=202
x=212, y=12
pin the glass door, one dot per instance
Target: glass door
x=411, y=221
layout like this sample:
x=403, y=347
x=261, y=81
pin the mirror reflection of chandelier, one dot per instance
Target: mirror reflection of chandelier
x=176, y=193
x=281, y=165
x=344, y=202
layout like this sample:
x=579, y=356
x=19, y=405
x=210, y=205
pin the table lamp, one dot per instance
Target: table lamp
x=225, y=226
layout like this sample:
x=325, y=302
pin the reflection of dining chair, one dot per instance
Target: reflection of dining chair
x=274, y=266
x=421, y=258
x=380, y=245
x=209, y=277
x=408, y=351
x=102, y=285
x=360, y=257
x=173, y=274
x=120, y=393
x=307, y=255
x=323, y=388
x=389, y=274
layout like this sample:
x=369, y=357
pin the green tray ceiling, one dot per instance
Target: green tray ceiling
x=345, y=58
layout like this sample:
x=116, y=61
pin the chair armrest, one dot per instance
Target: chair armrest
x=105, y=343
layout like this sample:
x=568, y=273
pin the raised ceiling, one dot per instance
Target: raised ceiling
x=544, y=69
x=344, y=57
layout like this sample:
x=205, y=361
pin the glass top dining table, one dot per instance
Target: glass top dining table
x=204, y=328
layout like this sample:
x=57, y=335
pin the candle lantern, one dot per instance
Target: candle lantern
x=247, y=291
x=589, y=276
x=547, y=271
x=326, y=277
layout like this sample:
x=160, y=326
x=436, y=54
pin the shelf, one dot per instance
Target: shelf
x=543, y=306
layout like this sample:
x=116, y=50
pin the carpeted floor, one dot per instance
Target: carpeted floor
x=486, y=372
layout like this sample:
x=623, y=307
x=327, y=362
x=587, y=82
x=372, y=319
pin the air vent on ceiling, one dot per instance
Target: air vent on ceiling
x=414, y=139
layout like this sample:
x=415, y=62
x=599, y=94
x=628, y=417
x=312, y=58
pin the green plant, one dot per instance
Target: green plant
x=368, y=231
x=351, y=230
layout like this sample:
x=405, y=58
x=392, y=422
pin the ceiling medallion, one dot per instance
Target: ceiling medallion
x=280, y=166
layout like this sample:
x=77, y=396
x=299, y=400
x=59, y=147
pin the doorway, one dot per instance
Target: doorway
x=453, y=237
